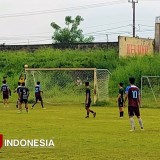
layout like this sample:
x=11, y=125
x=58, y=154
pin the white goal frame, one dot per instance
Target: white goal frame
x=150, y=85
x=96, y=95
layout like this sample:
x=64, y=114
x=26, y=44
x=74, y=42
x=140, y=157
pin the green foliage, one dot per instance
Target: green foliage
x=121, y=68
x=134, y=67
x=71, y=33
x=12, y=66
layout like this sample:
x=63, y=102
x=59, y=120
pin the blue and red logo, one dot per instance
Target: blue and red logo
x=1, y=140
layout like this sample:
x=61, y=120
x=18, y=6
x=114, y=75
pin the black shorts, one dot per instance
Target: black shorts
x=23, y=101
x=133, y=111
x=5, y=96
x=38, y=98
x=120, y=102
x=87, y=105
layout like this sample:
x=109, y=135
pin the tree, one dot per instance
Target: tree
x=71, y=33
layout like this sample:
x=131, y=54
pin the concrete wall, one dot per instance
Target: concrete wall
x=94, y=45
x=129, y=46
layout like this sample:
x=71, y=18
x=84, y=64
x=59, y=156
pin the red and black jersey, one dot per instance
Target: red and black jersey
x=133, y=95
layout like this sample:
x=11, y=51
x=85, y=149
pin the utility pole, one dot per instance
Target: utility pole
x=157, y=35
x=134, y=15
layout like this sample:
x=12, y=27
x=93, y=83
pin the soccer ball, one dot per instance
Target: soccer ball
x=25, y=66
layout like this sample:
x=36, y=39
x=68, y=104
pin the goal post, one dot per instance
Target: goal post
x=150, y=91
x=66, y=85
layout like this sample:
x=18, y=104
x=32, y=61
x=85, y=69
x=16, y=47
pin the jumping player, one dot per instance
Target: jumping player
x=17, y=90
x=38, y=95
x=133, y=96
x=120, y=100
x=6, y=92
x=88, y=101
x=22, y=78
x=24, y=94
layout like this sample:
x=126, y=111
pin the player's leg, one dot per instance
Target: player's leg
x=94, y=113
x=121, y=112
x=120, y=105
x=140, y=122
x=87, y=109
x=20, y=106
x=4, y=100
x=131, y=114
x=7, y=101
x=121, y=109
x=137, y=113
x=41, y=100
x=34, y=103
x=17, y=103
x=26, y=106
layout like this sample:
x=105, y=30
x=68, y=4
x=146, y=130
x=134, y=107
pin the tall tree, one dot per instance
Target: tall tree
x=71, y=33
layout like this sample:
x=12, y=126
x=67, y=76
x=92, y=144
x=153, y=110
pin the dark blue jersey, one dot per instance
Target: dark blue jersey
x=5, y=89
x=24, y=93
x=88, y=92
x=37, y=89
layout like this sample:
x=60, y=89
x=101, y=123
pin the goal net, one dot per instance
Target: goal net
x=66, y=85
x=150, y=91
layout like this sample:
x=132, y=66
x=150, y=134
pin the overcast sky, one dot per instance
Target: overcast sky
x=28, y=21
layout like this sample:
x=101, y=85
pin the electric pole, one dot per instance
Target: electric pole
x=134, y=15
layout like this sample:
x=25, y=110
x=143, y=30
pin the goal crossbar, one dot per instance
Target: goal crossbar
x=59, y=69
x=98, y=77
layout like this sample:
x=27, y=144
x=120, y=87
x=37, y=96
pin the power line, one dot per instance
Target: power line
x=101, y=25
x=146, y=25
x=62, y=9
x=50, y=34
x=107, y=29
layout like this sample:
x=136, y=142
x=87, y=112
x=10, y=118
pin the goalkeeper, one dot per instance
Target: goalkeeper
x=22, y=78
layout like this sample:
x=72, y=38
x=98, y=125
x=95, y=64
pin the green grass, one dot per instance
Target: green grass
x=76, y=138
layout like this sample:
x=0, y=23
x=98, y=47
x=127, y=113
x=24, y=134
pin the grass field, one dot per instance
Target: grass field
x=105, y=137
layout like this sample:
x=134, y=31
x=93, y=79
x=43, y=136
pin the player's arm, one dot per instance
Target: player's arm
x=41, y=93
x=125, y=96
x=119, y=95
x=139, y=100
x=87, y=97
x=24, y=75
x=9, y=91
x=20, y=76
